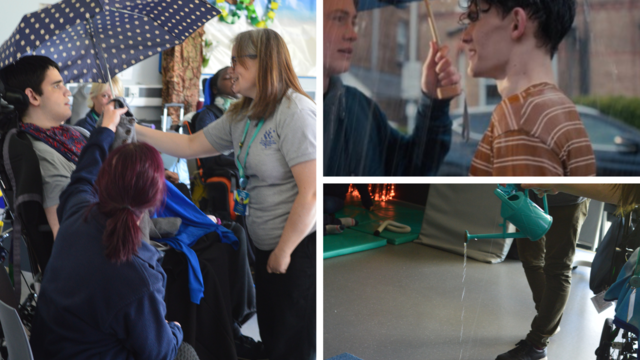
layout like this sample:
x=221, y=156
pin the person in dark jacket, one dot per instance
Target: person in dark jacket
x=218, y=96
x=99, y=96
x=102, y=295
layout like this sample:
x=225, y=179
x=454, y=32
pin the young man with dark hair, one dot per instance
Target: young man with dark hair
x=536, y=129
x=56, y=146
x=357, y=137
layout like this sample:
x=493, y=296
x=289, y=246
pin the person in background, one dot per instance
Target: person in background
x=99, y=96
x=218, y=96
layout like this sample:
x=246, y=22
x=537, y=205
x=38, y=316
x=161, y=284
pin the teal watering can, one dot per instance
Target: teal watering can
x=524, y=214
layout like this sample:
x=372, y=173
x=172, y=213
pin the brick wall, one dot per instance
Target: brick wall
x=613, y=66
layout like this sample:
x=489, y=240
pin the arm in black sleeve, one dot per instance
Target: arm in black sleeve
x=422, y=153
x=86, y=172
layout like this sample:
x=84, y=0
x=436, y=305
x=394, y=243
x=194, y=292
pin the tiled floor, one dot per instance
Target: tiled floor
x=406, y=302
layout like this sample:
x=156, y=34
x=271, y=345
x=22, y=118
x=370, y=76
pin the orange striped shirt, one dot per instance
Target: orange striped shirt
x=536, y=132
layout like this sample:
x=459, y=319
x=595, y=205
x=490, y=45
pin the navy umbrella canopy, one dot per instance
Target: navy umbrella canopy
x=373, y=4
x=76, y=33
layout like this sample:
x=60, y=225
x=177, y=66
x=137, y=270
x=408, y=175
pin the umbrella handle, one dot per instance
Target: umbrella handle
x=448, y=92
x=117, y=103
x=444, y=92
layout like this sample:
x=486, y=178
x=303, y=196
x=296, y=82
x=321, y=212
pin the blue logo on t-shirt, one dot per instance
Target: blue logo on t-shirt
x=268, y=138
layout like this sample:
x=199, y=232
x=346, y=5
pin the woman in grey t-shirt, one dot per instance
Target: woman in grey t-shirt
x=272, y=131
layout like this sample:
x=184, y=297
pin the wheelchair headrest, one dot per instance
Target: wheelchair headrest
x=11, y=99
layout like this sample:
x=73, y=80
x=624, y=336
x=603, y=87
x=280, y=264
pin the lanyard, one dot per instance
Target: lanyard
x=243, y=179
x=94, y=115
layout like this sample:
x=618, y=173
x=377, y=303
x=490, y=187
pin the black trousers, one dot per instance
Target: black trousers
x=287, y=304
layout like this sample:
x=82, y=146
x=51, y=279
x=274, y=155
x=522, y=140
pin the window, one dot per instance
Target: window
x=489, y=94
x=402, y=42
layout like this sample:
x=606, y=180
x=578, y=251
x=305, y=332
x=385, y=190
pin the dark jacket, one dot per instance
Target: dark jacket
x=89, y=122
x=207, y=115
x=359, y=141
x=90, y=307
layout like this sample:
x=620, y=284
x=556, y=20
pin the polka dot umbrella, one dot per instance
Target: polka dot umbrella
x=77, y=33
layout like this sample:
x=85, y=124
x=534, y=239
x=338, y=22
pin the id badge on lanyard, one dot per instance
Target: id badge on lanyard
x=241, y=202
x=241, y=196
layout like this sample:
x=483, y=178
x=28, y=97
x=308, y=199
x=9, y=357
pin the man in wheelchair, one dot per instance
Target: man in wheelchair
x=42, y=117
x=36, y=126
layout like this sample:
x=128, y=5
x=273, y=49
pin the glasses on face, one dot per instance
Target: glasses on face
x=472, y=14
x=234, y=59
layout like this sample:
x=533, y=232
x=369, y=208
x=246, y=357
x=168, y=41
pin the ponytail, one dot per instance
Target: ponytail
x=130, y=183
x=122, y=236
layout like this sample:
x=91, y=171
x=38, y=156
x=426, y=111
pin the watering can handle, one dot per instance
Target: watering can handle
x=544, y=201
x=504, y=198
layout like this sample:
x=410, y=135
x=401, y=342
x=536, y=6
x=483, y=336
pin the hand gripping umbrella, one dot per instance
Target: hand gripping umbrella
x=443, y=92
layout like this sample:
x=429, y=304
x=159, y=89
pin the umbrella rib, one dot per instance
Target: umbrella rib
x=98, y=53
x=126, y=11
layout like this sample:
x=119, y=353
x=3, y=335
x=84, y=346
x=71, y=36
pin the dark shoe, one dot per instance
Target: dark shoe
x=249, y=349
x=524, y=351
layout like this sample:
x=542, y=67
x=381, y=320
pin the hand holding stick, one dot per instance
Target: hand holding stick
x=444, y=92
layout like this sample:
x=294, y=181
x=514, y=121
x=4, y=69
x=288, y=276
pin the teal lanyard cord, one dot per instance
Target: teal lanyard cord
x=94, y=115
x=243, y=179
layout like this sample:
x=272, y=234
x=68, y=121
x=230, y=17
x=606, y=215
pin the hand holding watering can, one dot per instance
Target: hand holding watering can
x=541, y=189
x=524, y=214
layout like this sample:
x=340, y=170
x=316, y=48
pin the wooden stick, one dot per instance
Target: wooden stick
x=445, y=92
x=432, y=23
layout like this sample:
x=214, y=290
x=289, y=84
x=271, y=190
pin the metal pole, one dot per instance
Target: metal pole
x=98, y=54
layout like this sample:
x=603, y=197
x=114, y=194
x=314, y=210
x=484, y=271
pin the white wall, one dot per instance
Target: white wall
x=12, y=11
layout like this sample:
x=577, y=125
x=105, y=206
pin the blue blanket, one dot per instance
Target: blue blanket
x=195, y=224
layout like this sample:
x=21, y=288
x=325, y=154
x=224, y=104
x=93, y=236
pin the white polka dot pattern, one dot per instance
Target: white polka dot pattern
x=127, y=32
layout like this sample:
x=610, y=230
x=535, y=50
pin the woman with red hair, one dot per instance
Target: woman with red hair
x=102, y=295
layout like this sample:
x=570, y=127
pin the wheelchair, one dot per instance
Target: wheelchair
x=617, y=343
x=21, y=186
